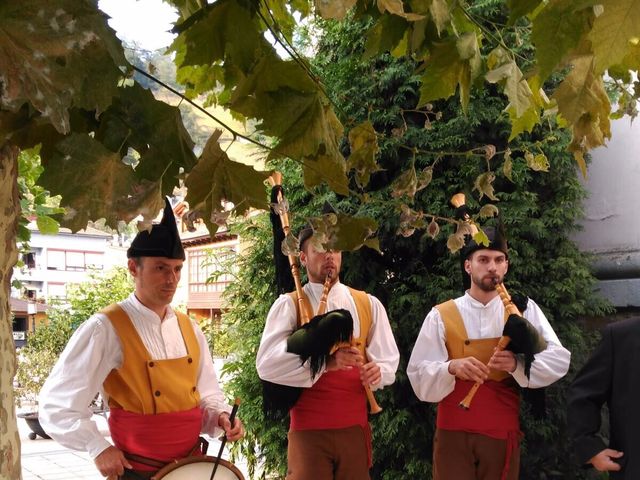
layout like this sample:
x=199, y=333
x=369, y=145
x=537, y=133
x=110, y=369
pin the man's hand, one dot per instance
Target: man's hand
x=504, y=361
x=345, y=358
x=233, y=433
x=111, y=462
x=370, y=374
x=469, y=368
x=603, y=461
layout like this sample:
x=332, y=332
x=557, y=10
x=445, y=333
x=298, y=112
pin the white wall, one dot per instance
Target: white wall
x=612, y=214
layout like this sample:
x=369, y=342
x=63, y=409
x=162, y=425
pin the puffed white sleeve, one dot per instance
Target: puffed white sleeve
x=381, y=344
x=549, y=365
x=92, y=352
x=212, y=400
x=273, y=362
x=428, y=367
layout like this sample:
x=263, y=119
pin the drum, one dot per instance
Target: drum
x=198, y=468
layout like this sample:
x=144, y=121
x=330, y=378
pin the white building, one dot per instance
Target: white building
x=611, y=227
x=54, y=261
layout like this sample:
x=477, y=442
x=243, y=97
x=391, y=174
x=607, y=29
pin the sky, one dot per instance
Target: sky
x=143, y=22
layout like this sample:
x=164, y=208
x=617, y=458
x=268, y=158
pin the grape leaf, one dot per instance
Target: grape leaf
x=55, y=56
x=94, y=184
x=216, y=180
x=614, y=31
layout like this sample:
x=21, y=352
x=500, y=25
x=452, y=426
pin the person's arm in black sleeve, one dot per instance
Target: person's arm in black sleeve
x=590, y=390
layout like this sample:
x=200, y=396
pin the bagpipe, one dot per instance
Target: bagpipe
x=318, y=335
x=518, y=335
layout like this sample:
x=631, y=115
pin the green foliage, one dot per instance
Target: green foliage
x=33, y=369
x=83, y=300
x=46, y=343
x=35, y=201
x=416, y=272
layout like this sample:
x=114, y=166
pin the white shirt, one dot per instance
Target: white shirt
x=276, y=365
x=428, y=368
x=93, y=352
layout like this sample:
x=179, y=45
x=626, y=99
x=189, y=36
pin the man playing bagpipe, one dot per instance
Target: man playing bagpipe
x=460, y=343
x=329, y=435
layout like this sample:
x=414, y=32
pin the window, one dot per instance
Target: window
x=214, y=265
x=94, y=260
x=56, y=260
x=74, y=260
x=56, y=290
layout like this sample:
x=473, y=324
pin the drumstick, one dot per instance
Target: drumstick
x=232, y=417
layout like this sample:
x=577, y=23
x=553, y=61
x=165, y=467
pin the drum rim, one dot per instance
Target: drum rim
x=196, y=459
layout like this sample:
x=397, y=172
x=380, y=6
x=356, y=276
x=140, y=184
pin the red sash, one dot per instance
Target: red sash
x=494, y=413
x=337, y=400
x=164, y=437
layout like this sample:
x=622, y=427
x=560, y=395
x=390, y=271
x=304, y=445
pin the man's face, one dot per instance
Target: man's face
x=320, y=264
x=156, y=279
x=486, y=268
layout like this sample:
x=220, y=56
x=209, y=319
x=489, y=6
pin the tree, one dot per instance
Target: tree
x=65, y=85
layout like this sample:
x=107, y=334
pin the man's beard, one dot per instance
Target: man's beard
x=487, y=283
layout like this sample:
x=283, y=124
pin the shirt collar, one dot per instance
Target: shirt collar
x=147, y=313
x=477, y=304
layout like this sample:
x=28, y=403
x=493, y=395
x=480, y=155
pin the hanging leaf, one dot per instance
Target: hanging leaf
x=291, y=245
x=364, y=148
x=216, y=180
x=115, y=193
x=484, y=185
x=515, y=86
x=439, y=10
x=455, y=242
x=153, y=129
x=343, y=232
x=481, y=238
x=385, y=35
x=614, y=32
x=396, y=7
x=538, y=163
x=329, y=169
x=405, y=184
x=488, y=211
x=433, y=229
x=334, y=9
x=489, y=151
x=47, y=225
x=519, y=8
x=507, y=168
x=215, y=36
x=424, y=178
x=70, y=57
x=442, y=73
x=583, y=102
x=557, y=30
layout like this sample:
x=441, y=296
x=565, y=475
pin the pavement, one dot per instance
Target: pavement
x=45, y=459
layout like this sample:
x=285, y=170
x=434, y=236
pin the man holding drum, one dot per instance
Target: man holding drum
x=151, y=363
x=329, y=435
x=457, y=346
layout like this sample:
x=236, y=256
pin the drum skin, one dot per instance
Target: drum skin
x=198, y=468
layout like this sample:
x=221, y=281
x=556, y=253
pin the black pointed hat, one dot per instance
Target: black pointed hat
x=497, y=241
x=162, y=241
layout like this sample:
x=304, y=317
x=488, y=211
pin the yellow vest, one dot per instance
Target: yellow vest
x=148, y=386
x=458, y=343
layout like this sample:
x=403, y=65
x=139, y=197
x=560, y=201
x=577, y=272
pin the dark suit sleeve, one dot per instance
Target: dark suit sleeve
x=590, y=390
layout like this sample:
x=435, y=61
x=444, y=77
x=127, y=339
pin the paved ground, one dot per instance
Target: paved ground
x=44, y=459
